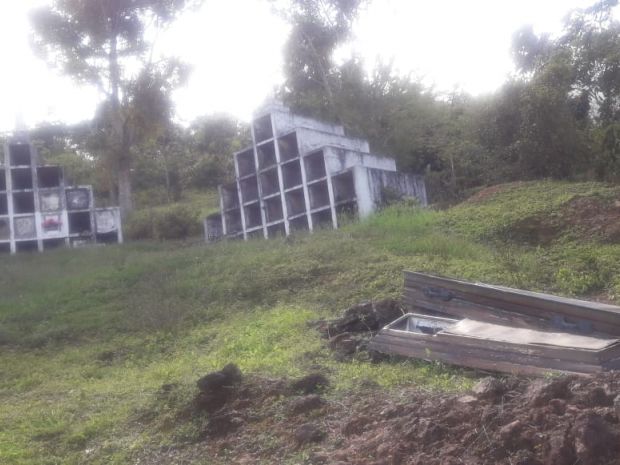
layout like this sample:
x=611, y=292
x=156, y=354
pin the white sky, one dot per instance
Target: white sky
x=235, y=48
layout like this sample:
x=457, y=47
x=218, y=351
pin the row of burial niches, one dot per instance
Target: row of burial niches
x=68, y=215
x=266, y=157
x=300, y=199
x=27, y=178
x=53, y=197
x=269, y=181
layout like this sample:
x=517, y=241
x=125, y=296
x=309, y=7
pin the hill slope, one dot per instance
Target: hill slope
x=89, y=337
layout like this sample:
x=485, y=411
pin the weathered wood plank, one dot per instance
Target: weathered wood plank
x=416, y=298
x=479, y=358
x=523, y=304
x=442, y=342
x=478, y=363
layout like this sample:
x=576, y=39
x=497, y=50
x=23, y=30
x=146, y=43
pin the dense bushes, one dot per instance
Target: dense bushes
x=172, y=222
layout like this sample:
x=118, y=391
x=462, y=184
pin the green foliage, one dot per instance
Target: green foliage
x=317, y=28
x=556, y=119
x=209, y=171
x=496, y=216
x=163, y=223
x=105, y=44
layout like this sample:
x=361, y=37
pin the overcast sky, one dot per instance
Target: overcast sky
x=235, y=47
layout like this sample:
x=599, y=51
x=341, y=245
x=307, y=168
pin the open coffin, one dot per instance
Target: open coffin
x=495, y=347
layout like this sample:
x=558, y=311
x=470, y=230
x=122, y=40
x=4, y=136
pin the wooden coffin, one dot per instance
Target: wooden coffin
x=497, y=347
x=425, y=293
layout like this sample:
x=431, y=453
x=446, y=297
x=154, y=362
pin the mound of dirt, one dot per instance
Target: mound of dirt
x=561, y=421
x=546, y=422
x=589, y=218
x=364, y=317
x=349, y=335
x=593, y=217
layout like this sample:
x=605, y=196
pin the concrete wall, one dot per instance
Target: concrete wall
x=311, y=140
x=285, y=121
x=371, y=185
x=338, y=159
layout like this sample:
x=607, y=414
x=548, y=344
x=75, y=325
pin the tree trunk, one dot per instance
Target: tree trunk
x=167, y=175
x=125, y=201
x=324, y=79
x=121, y=142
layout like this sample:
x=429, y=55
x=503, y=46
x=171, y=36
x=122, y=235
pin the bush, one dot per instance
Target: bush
x=210, y=171
x=166, y=223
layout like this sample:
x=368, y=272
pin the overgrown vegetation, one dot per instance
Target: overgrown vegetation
x=90, y=336
x=180, y=220
x=557, y=117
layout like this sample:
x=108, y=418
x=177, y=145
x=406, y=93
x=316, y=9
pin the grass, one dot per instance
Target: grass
x=90, y=336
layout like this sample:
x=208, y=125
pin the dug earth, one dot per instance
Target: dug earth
x=561, y=421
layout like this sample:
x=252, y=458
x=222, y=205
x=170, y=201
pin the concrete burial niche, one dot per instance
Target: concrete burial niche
x=80, y=224
x=5, y=229
x=291, y=174
x=273, y=210
x=288, y=147
x=20, y=154
x=266, y=153
x=50, y=201
x=38, y=212
x=301, y=174
x=25, y=227
x=108, y=227
x=23, y=202
x=4, y=204
x=49, y=176
x=262, y=128
x=269, y=182
x=78, y=198
x=52, y=224
x=2, y=180
x=213, y=225
x=245, y=163
x=21, y=179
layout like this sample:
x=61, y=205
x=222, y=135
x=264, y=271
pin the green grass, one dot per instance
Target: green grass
x=90, y=336
x=494, y=217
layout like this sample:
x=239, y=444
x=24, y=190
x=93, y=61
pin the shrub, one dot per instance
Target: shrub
x=166, y=223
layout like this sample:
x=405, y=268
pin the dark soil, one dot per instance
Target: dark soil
x=348, y=335
x=562, y=421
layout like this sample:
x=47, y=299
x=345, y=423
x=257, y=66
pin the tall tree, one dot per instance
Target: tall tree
x=103, y=43
x=571, y=95
x=318, y=28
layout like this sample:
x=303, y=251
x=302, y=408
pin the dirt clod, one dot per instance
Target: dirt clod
x=595, y=439
x=489, y=388
x=364, y=317
x=541, y=391
x=310, y=384
x=223, y=424
x=226, y=377
x=216, y=388
x=308, y=433
x=306, y=404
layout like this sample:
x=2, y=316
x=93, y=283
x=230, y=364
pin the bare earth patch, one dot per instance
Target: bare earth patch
x=559, y=421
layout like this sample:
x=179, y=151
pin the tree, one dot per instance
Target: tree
x=570, y=101
x=102, y=43
x=213, y=139
x=318, y=27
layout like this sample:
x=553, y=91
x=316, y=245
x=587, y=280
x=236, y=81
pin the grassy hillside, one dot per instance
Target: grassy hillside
x=88, y=337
